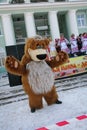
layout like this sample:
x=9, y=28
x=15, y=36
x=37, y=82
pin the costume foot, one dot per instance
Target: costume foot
x=32, y=110
x=58, y=102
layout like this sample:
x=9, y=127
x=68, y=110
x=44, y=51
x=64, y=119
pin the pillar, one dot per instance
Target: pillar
x=54, y=26
x=72, y=22
x=8, y=29
x=51, y=1
x=30, y=24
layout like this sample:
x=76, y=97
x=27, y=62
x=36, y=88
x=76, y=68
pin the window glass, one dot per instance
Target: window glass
x=0, y=31
x=19, y=28
x=2, y=56
x=39, y=0
x=81, y=20
x=3, y=1
x=42, y=24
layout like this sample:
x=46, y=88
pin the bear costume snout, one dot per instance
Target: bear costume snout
x=41, y=56
x=38, y=54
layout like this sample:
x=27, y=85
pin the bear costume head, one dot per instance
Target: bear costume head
x=36, y=71
x=36, y=48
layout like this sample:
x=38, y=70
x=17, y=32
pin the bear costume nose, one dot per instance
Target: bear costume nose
x=41, y=56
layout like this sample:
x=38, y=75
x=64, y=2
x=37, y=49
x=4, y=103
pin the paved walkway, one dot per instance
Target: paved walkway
x=13, y=94
x=68, y=124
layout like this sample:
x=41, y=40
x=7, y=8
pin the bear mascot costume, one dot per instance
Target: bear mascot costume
x=36, y=71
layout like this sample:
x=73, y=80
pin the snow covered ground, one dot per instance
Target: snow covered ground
x=17, y=115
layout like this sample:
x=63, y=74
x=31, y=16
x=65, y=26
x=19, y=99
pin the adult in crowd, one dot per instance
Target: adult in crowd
x=84, y=43
x=51, y=51
x=79, y=42
x=74, y=46
x=63, y=43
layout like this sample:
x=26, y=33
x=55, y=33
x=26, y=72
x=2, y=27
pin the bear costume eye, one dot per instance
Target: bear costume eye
x=39, y=46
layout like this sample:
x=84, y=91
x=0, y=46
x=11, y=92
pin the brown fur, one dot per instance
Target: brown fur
x=16, y=67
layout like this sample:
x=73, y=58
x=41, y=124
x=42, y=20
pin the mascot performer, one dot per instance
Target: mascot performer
x=36, y=72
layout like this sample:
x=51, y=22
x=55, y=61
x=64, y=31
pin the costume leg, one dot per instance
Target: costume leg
x=35, y=102
x=51, y=97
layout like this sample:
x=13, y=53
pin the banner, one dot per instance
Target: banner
x=75, y=66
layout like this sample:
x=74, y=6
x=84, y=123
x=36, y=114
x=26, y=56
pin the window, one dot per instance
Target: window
x=42, y=25
x=0, y=31
x=2, y=60
x=3, y=1
x=0, y=26
x=19, y=28
x=81, y=20
x=2, y=57
x=16, y=1
x=33, y=1
x=59, y=0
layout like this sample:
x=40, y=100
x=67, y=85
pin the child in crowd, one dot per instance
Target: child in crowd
x=74, y=46
x=84, y=43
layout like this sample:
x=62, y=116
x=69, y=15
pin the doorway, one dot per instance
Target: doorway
x=62, y=23
x=19, y=28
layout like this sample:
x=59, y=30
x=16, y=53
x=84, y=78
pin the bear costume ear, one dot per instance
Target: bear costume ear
x=29, y=44
x=47, y=41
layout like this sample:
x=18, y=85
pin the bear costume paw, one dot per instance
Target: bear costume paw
x=11, y=62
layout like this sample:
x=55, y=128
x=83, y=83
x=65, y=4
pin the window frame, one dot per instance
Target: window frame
x=81, y=19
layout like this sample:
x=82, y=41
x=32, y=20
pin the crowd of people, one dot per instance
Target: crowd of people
x=76, y=46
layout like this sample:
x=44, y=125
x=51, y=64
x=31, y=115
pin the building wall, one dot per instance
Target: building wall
x=61, y=17
x=34, y=1
x=2, y=48
x=65, y=24
x=2, y=40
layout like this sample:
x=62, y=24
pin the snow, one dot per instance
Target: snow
x=17, y=115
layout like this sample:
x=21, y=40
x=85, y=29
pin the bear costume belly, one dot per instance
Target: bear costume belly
x=41, y=77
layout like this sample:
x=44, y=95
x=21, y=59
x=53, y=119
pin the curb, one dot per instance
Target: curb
x=63, y=123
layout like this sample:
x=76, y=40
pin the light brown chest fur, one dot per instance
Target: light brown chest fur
x=40, y=78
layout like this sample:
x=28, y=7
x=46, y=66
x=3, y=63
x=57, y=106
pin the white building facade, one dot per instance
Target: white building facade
x=20, y=19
